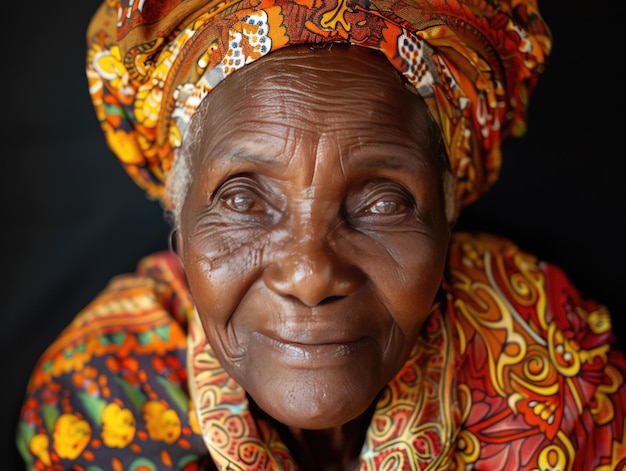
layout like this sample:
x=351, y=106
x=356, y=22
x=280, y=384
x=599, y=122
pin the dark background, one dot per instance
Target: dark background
x=74, y=219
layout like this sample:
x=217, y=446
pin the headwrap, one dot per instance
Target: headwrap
x=151, y=62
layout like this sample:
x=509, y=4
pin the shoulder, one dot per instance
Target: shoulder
x=489, y=273
x=543, y=373
x=142, y=311
x=113, y=387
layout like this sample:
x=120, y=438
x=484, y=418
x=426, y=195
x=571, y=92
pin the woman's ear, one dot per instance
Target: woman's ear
x=180, y=245
x=452, y=205
x=174, y=241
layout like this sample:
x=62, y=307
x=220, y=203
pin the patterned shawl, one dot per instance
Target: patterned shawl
x=514, y=371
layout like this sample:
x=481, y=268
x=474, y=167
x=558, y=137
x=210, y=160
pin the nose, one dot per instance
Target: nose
x=313, y=273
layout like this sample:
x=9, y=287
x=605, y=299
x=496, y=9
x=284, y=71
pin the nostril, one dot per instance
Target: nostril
x=312, y=277
x=329, y=300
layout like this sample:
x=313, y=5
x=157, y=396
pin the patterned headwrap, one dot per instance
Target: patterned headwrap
x=151, y=62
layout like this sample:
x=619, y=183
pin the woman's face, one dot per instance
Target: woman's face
x=314, y=232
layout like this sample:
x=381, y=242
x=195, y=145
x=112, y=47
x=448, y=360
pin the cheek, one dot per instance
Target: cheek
x=406, y=276
x=220, y=271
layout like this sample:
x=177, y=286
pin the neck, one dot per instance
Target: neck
x=332, y=449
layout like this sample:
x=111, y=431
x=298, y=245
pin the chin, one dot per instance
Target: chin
x=314, y=403
x=314, y=416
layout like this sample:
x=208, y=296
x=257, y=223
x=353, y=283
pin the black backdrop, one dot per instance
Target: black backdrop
x=74, y=219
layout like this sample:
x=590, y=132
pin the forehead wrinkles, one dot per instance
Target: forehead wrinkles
x=323, y=88
x=299, y=77
x=299, y=91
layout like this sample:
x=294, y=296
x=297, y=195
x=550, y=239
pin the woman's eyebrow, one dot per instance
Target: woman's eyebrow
x=390, y=156
x=252, y=155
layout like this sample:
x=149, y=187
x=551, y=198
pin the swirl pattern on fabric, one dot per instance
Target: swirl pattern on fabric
x=513, y=371
x=475, y=63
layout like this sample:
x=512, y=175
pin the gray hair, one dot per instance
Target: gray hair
x=180, y=175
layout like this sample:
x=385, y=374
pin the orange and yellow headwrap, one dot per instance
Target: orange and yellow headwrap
x=475, y=62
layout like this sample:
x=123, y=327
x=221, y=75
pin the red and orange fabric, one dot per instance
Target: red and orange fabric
x=514, y=371
x=150, y=63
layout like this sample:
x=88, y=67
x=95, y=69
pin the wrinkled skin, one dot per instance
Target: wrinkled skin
x=315, y=230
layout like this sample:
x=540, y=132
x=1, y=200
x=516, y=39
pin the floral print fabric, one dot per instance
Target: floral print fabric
x=151, y=63
x=514, y=371
x=111, y=392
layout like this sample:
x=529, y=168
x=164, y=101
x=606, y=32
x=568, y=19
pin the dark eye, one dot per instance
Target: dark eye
x=380, y=203
x=387, y=205
x=385, y=199
x=242, y=194
x=242, y=201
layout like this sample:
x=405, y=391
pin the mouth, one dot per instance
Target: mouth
x=313, y=354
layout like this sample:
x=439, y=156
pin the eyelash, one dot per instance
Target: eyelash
x=385, y=196
x=385, y=203
x=242, y=187
x=231, y=200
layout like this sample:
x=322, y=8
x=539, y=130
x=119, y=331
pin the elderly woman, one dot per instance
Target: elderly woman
x=318, y=313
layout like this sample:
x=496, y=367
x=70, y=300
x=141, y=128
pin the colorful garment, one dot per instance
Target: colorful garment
x=513, y=371
x=150, y=64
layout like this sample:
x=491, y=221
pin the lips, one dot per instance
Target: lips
x=314, y=353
